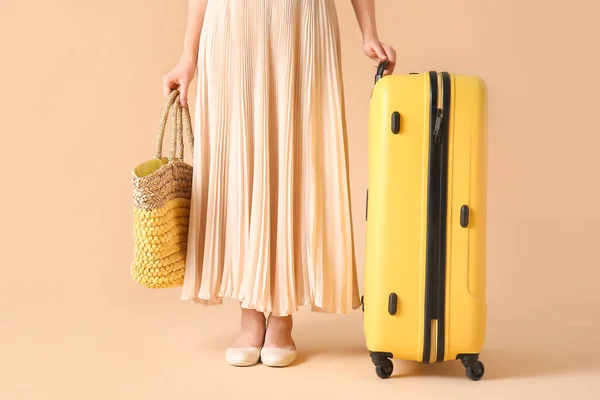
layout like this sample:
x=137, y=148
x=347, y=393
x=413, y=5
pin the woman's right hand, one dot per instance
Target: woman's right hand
x=179, y=78
x=378, y=52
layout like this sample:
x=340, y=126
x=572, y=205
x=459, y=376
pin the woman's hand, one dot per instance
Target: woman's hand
x=179, y=78
x=379, y=51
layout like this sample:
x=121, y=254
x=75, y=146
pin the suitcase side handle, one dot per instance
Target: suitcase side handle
x=380, y=70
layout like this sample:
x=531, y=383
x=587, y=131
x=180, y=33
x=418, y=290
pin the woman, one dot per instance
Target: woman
x=270, y=222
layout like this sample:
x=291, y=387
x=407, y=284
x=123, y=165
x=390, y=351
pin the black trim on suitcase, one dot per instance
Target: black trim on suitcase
x=429, y=282
x=437, y=205
x=445, y=132
x=464, y=216
x=393, y=304
x=395, y=122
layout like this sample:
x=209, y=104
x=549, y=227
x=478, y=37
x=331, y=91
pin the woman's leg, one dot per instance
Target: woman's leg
x=279, y=349
x=279, y=333
x=245, y=351
x=253, y=329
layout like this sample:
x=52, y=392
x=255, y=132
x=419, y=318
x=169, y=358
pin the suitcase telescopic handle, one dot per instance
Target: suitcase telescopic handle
x=381, y=69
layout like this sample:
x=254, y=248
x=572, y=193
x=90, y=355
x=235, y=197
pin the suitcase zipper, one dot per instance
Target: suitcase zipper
x=438, y=123
x=435, y=286
x=442, y=240
x=439, y=114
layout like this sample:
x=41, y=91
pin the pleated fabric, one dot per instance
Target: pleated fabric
x=270, y=222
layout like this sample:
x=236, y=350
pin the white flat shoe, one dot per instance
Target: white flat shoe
x=242, y=357
x=275, y=357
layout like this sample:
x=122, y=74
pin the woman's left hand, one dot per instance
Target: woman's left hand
x=379, y=51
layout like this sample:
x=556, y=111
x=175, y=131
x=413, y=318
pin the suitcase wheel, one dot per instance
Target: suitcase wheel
x=475, y=371
x=385, y=369
x=383, y=363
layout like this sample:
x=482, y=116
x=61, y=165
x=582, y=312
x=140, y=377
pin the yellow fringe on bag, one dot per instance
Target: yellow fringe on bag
x=161, y=196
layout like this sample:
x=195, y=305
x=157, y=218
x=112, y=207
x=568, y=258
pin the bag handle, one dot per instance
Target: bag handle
x=380, y=70
x=182, y=123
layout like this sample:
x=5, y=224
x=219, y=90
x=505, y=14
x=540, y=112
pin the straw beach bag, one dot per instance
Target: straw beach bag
x=161, y=206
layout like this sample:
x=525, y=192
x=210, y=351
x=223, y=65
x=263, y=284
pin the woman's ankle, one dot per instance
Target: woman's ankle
x=279, y=333
x=252, y=320
x=252, y=330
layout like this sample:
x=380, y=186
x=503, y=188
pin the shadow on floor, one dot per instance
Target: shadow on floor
x=513, y=349
x=508, y=363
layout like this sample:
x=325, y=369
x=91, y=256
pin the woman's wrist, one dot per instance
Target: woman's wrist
x=370, y=35
x=188, y=59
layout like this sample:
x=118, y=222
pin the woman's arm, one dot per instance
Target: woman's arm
x=181, y=76
x=372, y=46
x=195, y=19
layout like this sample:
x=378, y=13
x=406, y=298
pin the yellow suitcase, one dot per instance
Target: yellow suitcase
x=425, y=291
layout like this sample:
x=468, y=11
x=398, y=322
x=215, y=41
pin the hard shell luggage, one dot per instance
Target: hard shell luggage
x=425, y=270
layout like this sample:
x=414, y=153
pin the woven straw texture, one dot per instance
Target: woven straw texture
x=161, y=206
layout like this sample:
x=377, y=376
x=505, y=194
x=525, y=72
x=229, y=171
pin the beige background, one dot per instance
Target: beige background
x=80, y=102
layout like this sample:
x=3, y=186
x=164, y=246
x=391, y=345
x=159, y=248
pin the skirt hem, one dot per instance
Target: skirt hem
x=216, y=301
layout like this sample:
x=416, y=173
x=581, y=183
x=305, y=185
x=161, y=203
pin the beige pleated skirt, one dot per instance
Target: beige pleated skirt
x=271, y=223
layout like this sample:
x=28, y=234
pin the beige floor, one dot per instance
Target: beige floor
x=165, y=349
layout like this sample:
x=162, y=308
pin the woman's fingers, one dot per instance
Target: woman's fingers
x=183, y=92
x=177, y=79
x=168, y=85
x=165, y=85
x=374, y=51
x=379, y=51
x=390, y=53
x=391, y=56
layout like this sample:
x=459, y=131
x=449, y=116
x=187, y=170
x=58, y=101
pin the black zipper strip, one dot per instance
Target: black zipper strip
x=437, y=205
x=430, y=281
x=443, y=216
